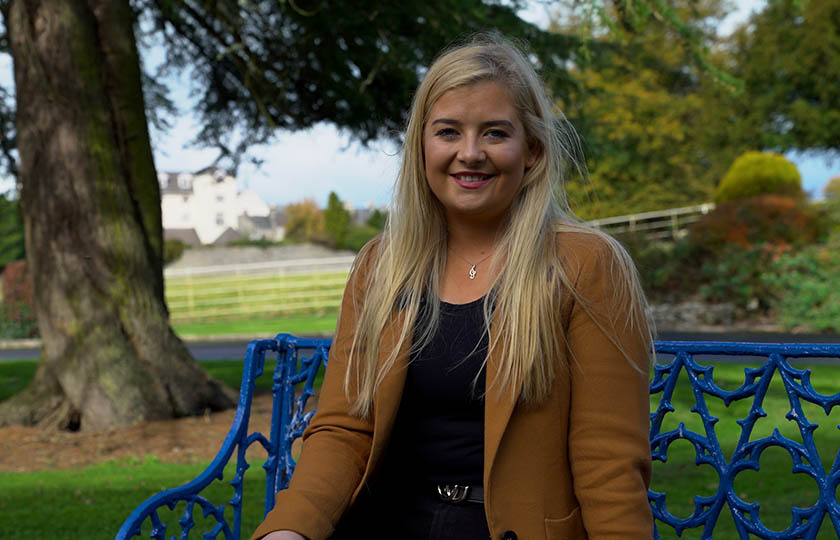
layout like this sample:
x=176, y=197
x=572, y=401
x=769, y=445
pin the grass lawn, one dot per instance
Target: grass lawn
x=92, y=503
x=16, y=374
x=299, y=325
x=115, y=488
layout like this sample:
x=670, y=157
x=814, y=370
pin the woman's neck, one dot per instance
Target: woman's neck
x=473, y=240
x=469, y=273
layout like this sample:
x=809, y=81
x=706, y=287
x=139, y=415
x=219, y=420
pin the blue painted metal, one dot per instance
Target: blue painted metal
x=805, y=522
x=300, y=359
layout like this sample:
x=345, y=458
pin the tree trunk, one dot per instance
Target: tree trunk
x=91, y=205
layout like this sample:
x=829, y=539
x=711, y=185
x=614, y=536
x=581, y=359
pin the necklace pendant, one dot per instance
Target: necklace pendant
x=472, y=272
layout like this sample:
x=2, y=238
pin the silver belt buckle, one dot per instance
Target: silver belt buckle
x=453, y=494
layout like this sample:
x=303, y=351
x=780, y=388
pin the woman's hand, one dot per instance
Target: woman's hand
x=283, y=535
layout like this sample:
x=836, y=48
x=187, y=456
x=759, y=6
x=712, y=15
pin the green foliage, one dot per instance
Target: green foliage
x=172, y=250
x=807, y=288
x=788, y=56
x=377, y=220
x=749, y=222
x=358, y=236
x=734, y=275
x=832, y=188
x=666, y=269
x=828, y=218
x=262, y=66
x=305, y=222
x=640, y=109
x=17, y=321
x=255, y=242
x=759, y=173
x=12, y=246
x=336, y=220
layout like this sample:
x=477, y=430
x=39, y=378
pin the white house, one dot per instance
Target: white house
x=206, y=202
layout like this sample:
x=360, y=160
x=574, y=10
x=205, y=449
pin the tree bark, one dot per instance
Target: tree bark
x=91, y=206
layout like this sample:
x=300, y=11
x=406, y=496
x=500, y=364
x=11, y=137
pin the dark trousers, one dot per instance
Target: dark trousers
x=413, y=517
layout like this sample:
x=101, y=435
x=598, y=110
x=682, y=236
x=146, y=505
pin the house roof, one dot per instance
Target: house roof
x=260, y=222
x=228, y=236
x=214, y=171
x=187, y=236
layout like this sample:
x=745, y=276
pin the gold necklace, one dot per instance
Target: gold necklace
x=472, y=272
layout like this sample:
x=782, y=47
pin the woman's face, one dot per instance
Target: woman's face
x=476, y=152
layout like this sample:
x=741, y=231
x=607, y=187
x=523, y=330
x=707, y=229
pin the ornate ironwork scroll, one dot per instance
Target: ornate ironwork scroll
x=805, y=522
x=288, y=419
x=299, y=361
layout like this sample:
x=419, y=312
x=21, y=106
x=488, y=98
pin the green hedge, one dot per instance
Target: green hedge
x=758, y=173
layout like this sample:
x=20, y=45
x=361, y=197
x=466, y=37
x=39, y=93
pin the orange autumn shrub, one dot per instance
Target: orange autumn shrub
x=766, y=219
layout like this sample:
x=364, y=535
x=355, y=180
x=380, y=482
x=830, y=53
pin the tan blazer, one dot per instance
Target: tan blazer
x=576, y=466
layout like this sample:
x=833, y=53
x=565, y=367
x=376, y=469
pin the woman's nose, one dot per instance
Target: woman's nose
x=470, y=151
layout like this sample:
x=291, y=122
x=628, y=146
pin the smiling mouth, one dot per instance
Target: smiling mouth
x=472, y=178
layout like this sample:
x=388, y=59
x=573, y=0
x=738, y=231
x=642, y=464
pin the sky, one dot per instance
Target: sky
x=311, y=163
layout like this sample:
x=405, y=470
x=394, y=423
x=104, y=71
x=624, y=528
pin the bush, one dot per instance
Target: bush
x=256, y=242
x=769, y=219
x=357, y=236
x=807, y=288
x=12, y=246
x=17, y=312
x=832, y=189
x=17, y=322
x=735, y=275
x=667, y=270
x=172, y=250
x=757, y=173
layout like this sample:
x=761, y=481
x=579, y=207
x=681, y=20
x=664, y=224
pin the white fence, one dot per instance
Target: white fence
x=264, y=289
x=289, y=287
x=659, y=224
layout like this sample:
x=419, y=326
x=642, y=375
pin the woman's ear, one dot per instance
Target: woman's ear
x=534, y=152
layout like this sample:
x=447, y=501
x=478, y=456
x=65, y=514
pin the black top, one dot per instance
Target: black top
x=438, y=435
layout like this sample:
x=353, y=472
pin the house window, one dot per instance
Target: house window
x=220, y=219
x=184, y=181
x=220, y=198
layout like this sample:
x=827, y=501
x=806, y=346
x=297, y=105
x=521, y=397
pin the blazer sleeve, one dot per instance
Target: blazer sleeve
x=609, y=447
x=336, y=445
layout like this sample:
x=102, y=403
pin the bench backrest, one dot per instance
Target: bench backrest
x=299, y=360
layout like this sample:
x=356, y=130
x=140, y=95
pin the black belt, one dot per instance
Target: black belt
x=457, y=494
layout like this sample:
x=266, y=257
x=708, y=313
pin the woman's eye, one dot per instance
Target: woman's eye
x=497, y=134
x=446, y=132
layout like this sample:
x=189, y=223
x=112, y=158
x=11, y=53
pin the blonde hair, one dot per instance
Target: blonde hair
x=408, y=261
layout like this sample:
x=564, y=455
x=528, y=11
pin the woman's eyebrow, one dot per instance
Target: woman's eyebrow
x=489, y=123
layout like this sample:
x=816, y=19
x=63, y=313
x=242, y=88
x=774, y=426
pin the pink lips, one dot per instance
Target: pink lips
x=471, y=184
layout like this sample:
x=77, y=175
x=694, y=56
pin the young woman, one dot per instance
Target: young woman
x=489, y=373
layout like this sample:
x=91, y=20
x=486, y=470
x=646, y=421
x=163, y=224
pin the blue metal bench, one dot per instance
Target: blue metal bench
x=300, y=359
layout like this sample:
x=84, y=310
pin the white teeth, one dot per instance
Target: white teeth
x=471, y=178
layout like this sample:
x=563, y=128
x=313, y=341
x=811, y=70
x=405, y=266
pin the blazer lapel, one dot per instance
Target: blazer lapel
x=498, y=405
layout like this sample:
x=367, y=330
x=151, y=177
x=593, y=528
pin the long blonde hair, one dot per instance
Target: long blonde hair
x=408, y=261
